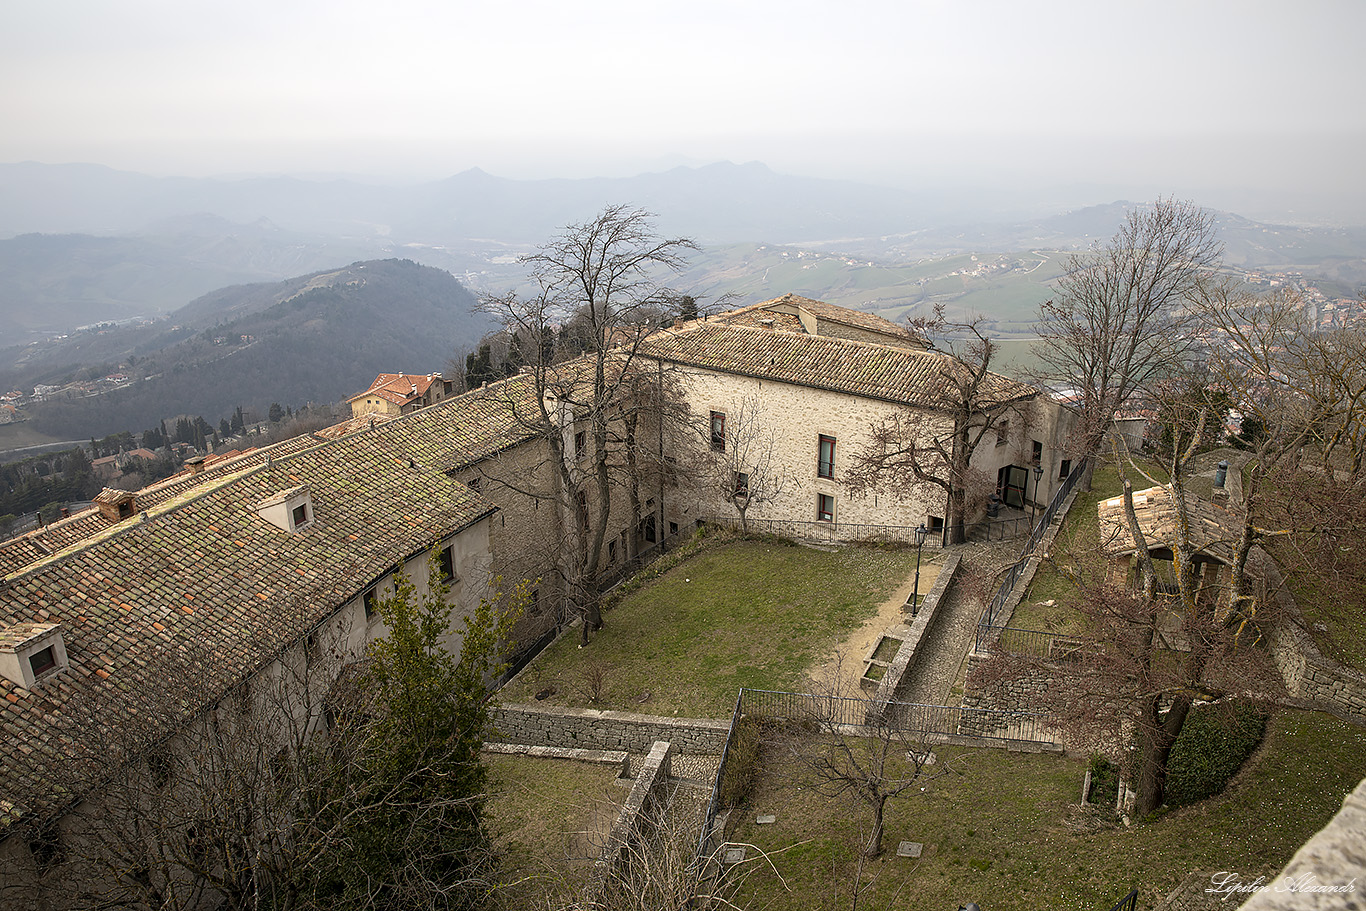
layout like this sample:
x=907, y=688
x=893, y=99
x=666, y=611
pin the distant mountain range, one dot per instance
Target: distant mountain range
x=82, y=245
x=316, y=338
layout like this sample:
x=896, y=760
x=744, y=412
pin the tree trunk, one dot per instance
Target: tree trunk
x=874, y=846
x=1155, y=738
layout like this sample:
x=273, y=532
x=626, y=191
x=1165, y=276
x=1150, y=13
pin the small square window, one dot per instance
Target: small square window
x=1064, y=469
x=825, y=459
x=741, y=484
x=42, y=661
x=825, y=508
x=300, y=515
x=718, y=431
x=1038, y=453
x=580, y=444
x=371, y=601
x=446, y=564
x=1002, y=432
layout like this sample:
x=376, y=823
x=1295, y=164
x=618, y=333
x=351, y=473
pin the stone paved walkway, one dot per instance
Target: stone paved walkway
x=944, y=648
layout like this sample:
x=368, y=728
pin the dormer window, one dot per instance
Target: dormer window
x=290, y=510
x=116, y=505
x=42, y=661
x=31, y=652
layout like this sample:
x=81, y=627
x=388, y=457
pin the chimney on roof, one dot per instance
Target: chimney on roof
x=766, y=322
x=195, y=464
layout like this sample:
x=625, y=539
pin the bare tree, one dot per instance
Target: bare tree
x=1118, y=319
x=1155, y=644
x=598, y=284
x=744, y=465
x=931, y=442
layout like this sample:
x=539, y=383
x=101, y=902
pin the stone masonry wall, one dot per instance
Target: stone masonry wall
x=1307, y=673
x=887, y=690
x=635, y=825
x=605, y=730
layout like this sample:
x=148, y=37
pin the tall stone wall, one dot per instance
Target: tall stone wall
x=1307, y=673
x=606, y=730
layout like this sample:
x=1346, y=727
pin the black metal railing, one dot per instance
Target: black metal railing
x=998, y=602
x=1128, y=902
x=714, y=804
x=851, y=532
x=1031, y=643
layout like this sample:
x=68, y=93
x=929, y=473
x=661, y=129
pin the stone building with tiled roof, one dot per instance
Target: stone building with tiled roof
x=400, y=393
x=817, y=378
x=208, y=583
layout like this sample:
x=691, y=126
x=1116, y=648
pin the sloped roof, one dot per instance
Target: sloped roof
x=468, y=428
x=18, y=552
x=399, y=388
x=200, y=584
x=785, y=313
x=1212, y=526
x=894, y=374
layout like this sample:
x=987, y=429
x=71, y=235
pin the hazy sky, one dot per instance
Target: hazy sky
x=1163, y=94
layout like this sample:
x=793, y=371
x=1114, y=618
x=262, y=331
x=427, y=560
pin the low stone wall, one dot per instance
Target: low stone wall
x=636, y=824
x=1307, y=673
x=889, y=687
x=591, y=729
x=1327, y=871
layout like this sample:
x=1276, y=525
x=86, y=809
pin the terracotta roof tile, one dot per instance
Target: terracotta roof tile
x=121, y=597
x=889, y=373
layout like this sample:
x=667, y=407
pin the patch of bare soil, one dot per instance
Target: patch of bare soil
x=842, y=669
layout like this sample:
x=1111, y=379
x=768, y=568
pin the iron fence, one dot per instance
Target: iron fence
x=1030, y=643
x=1128, y=902
x=848, y=532
x=998, y=602
x=714, y=804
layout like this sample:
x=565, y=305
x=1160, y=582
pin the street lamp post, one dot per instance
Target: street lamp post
x=1034, y=503
x=920, y=534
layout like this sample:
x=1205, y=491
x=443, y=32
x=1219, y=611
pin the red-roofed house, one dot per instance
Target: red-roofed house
x=400, y=393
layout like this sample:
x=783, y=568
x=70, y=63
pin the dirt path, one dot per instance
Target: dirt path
x=843, y=667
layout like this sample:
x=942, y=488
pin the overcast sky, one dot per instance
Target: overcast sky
x=1172, y=96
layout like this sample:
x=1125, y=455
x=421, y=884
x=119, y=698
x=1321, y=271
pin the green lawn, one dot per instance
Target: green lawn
x=1077, y=541
x=1007, y=833
x=739, y=614
x=548, y=819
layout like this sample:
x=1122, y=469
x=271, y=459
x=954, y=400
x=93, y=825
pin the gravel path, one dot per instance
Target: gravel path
x=947, y=641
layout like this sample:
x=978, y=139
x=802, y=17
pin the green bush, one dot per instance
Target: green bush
x=1212, y=746
x=742, y=761
x=1104, y=781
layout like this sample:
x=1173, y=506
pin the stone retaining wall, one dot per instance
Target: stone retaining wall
x=591, y=729
x=1307, y=673
x=636, y=824
x=888, y=688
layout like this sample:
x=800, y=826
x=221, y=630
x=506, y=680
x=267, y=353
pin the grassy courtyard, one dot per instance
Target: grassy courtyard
x=738, y=614
x=1005, y=830
x=548, y=820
